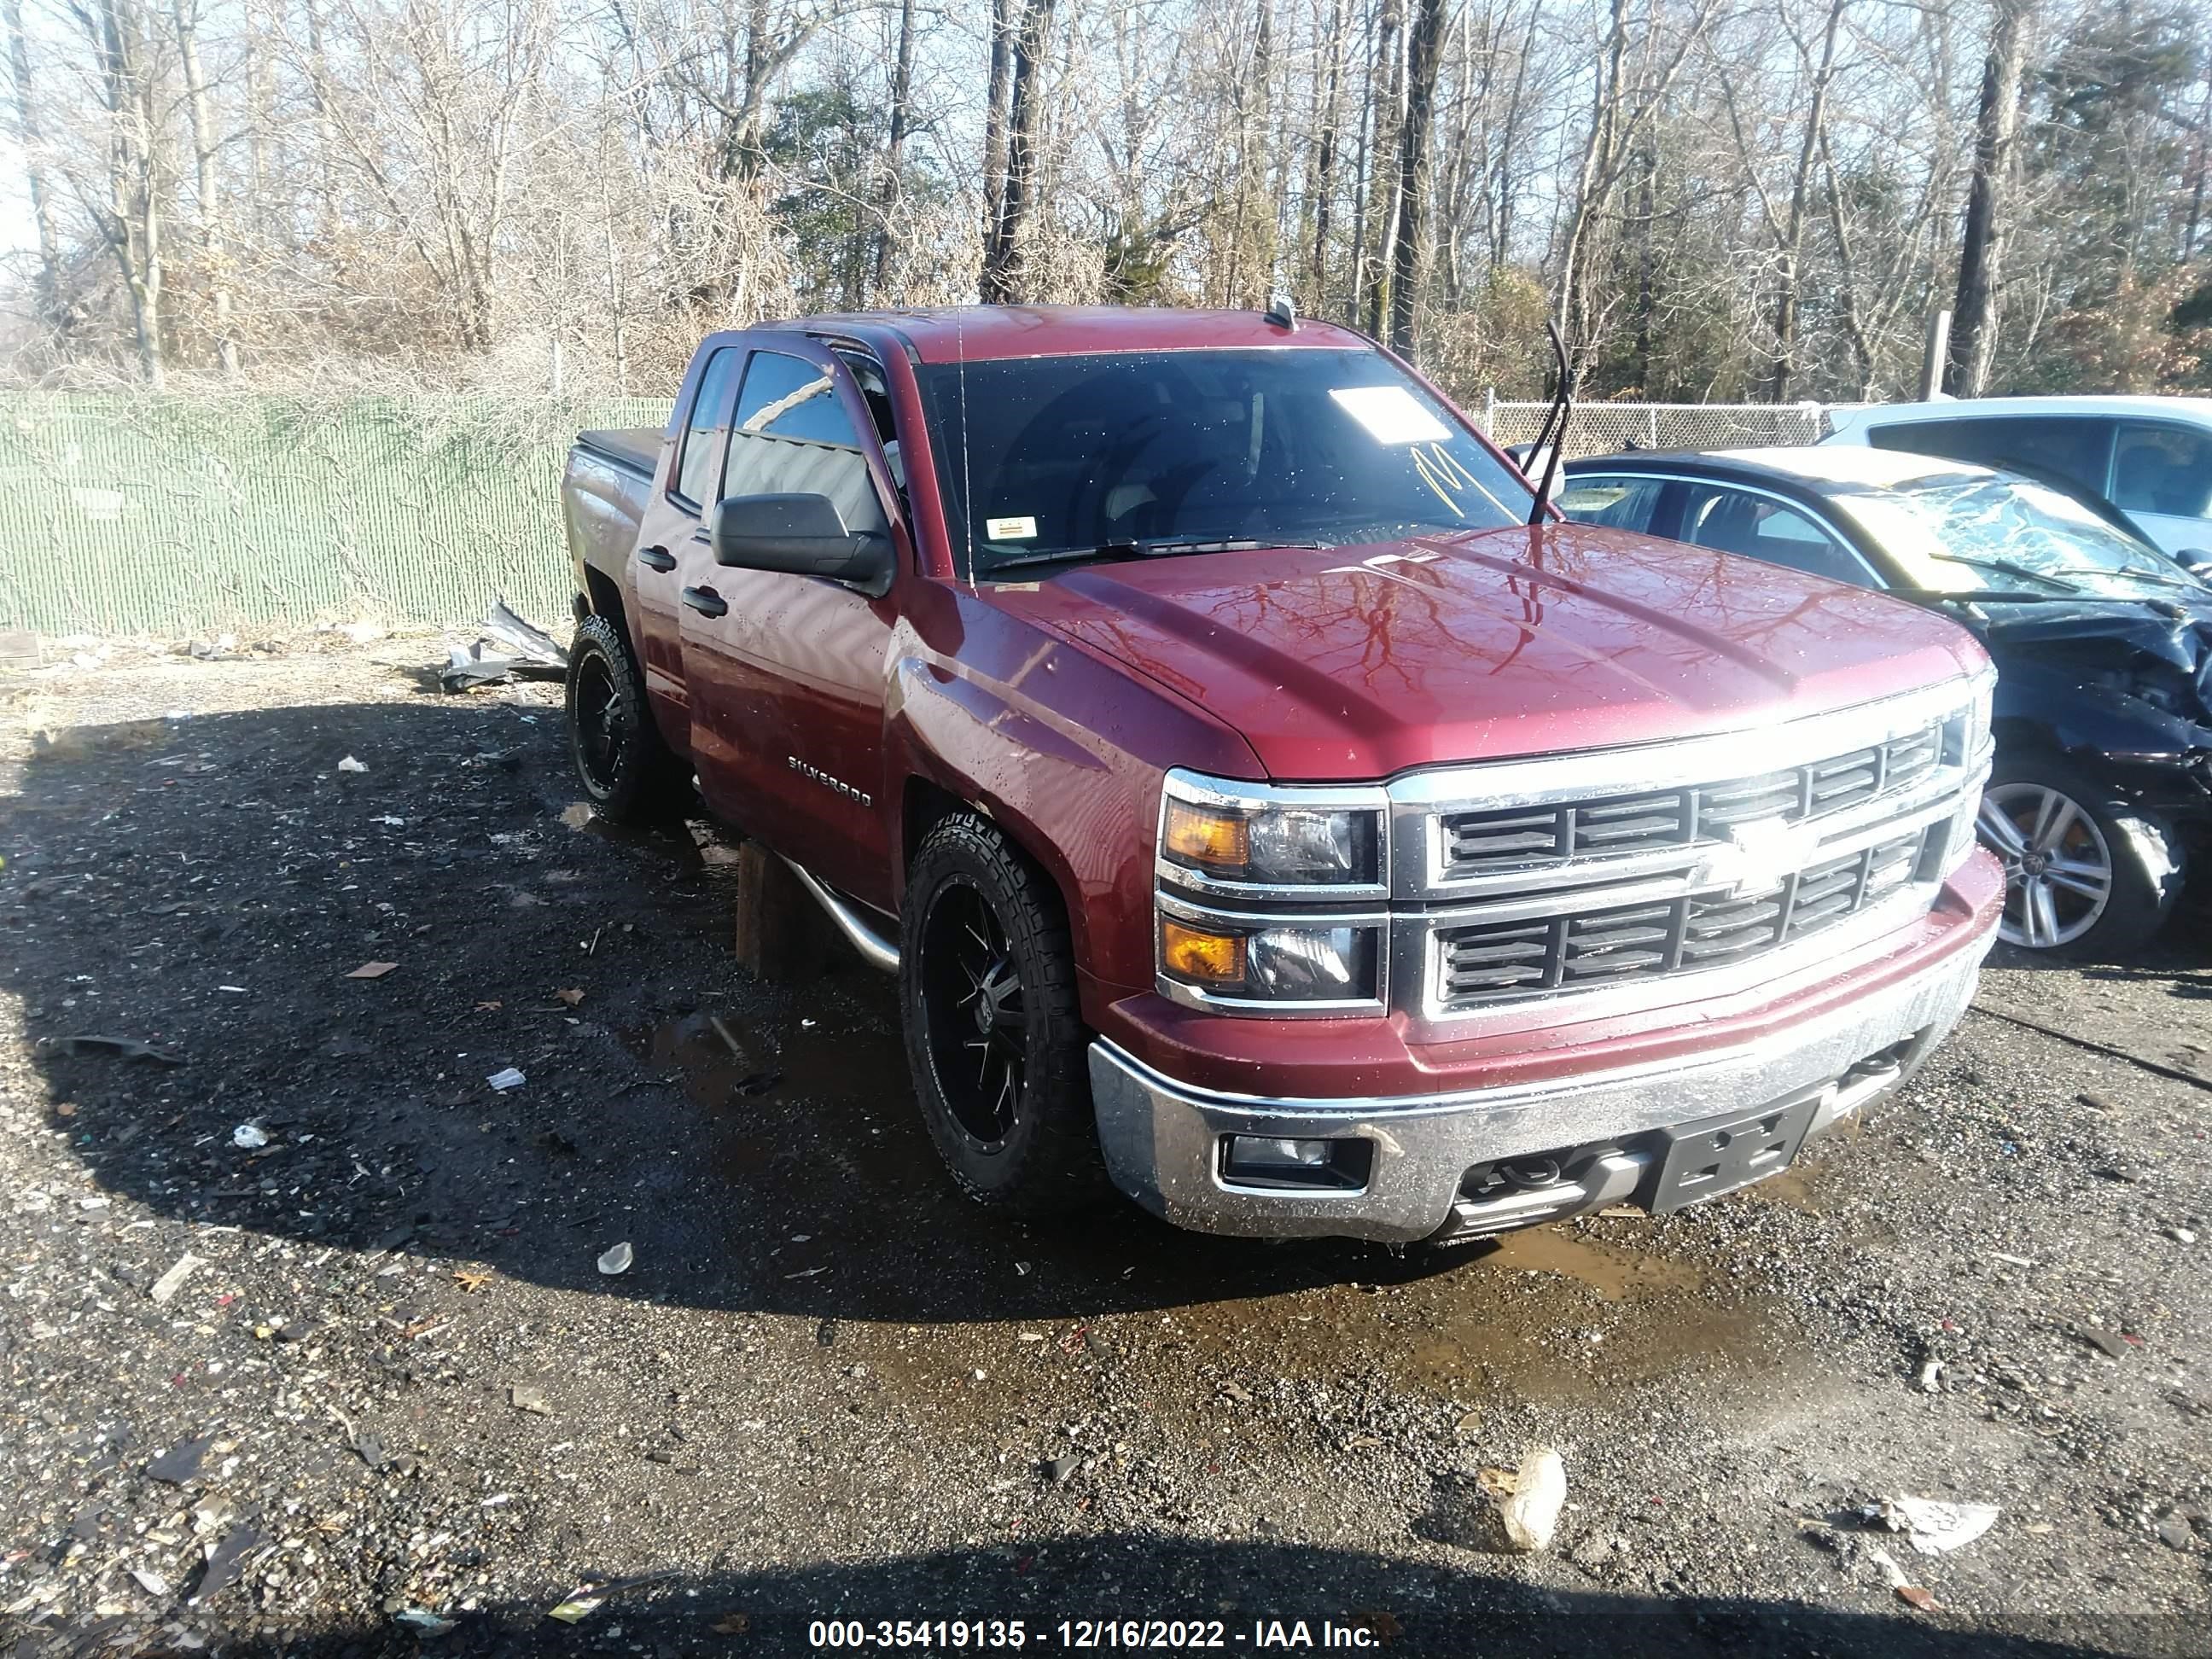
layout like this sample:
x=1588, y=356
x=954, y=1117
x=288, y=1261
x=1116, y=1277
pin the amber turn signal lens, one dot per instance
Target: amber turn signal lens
x=1202, y=957
x=1207, y=835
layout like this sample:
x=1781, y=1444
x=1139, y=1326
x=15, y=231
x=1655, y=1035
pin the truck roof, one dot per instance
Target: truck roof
x=981, y=333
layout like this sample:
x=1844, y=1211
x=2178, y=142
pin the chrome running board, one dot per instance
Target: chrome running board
x=875, y=950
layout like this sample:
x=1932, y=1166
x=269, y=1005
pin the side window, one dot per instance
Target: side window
x=2071, y=449
x=2163, y=469
x=710, y=414
x=792, y=437
x=1732, y=521
x=1616, y=503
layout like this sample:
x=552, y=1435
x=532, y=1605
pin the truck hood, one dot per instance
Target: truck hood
x=1359, y=662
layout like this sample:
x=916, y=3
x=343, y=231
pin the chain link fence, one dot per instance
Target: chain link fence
x=1607, y=428
x=131, y=514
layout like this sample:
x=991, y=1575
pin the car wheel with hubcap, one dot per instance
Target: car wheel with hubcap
x=993, y=1038
x=2079, y=878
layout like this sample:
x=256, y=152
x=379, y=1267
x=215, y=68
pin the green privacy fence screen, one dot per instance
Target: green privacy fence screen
x=182, y=515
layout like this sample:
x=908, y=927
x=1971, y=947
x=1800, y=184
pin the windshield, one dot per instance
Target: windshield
x=1125, y=451
x=2022, y=537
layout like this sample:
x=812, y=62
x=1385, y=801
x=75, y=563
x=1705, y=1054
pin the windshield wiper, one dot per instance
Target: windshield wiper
x=2008, y=568
x=1150, y=547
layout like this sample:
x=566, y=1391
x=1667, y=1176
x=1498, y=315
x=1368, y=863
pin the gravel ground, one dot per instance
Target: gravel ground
x=307, y=1347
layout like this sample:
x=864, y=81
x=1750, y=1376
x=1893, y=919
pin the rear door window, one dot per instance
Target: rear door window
x=2070, y=449
x=2163, y=469
x=1736, y=521
x=1618, y=503
x=792, y=436
x=702, y=432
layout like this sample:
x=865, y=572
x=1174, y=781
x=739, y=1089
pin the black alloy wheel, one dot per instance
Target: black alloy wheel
x=625, y=768
x=971, y=992
x=995, y=1039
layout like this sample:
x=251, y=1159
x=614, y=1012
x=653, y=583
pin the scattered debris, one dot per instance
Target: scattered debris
x=2181, y=1235
x=151, y=1581
x=181, y=1463
x=252, y=1136
x=732, y=1624
x=170, y=1282
x=1930, y=1525
x=1915, y=1597
x=223, y=1563
x=509, y=1078
x=2175, y=1533
x=572, y=996
x=580, y=1605
x=1057, y=1469
x=472, y=1279
x=372, y=970
x=350, y=764
x=2111, y=1343
x=1531, y=1515
x=421, y=1621
x=1931, y=1380
x=122, y=1047
x=616, y=1261
x=529, y=1397
x=512, y=649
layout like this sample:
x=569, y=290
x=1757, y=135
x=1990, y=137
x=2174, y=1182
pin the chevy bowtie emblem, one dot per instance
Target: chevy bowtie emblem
x=1761, y=855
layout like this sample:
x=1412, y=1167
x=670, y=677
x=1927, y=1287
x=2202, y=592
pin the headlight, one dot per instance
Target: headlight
x=1263, y=962
x=1244, y=836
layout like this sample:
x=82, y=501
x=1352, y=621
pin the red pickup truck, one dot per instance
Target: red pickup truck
x=1258, y=812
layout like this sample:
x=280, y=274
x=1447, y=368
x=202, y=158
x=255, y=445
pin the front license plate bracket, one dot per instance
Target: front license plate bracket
x=1717, y=1155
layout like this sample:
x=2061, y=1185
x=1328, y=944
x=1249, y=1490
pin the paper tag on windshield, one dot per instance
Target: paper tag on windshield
x=1391, y=414
x=1010, y=530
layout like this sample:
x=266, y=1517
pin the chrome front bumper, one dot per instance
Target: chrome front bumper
x=1162, y=1140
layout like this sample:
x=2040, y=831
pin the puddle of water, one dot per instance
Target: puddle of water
x=1616, y=1275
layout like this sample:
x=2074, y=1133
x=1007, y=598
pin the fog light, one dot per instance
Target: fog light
x=1263, y=1154
x=1265, y=1161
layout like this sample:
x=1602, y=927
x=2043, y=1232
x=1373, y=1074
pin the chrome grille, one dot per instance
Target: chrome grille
x=1609, y=944
x=1532, y=838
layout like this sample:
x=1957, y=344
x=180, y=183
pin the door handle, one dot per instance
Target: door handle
x=706, y=601
x=659, y=558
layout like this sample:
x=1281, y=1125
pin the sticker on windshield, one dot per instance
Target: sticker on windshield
x=1391, y=414
x=1010, y=530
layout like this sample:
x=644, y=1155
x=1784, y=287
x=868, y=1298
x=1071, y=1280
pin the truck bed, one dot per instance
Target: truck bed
x=603, y=496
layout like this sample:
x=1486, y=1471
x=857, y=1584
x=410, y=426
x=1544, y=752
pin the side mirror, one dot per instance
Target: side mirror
x=2196, y=560
x=804, y=535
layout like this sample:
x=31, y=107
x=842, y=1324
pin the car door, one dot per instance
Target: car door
x=672, y=519
x=1761, y=526
x=788, y=672
x=2162, y=480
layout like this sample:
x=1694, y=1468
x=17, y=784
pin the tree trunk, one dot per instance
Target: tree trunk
x=1423, y=51
x=201, y=118
x=1793, y=245
x=1322, y=181
x=895, y=143
x=1391, y=107
x=994, y=121
x=1981, y=253
x=1002, y=279
x=29, y=139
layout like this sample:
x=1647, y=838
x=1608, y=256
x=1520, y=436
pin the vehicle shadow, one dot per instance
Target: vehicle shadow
x=1230, y=1597
x=218, y=889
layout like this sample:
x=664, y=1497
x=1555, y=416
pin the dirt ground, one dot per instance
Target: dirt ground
x=306, y=1349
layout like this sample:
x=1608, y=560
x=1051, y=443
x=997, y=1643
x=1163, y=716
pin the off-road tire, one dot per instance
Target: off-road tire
x=638, y=780
x=1046, y=1163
